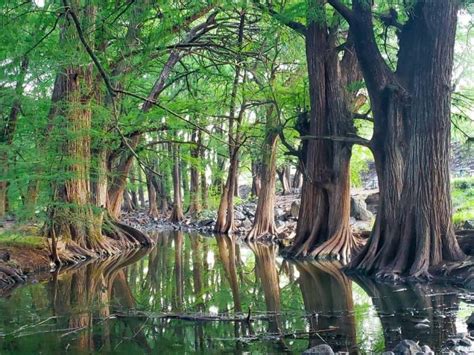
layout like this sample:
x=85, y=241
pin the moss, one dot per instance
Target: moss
x=18, y=239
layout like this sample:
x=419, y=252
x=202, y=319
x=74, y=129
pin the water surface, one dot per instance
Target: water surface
x=195, y=294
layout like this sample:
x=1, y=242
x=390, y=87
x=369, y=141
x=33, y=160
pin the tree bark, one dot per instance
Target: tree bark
x=7, y=132
x=152, y=196
x=323, y=227
x=195, y=206
x=264, y=222
x=413, y=230
x=177, y=213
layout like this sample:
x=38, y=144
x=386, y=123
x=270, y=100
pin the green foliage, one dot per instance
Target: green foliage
x=462, y=193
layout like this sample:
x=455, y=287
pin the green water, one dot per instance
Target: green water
x=136, y=303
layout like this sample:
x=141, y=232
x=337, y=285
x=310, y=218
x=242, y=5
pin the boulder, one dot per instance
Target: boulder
x=239, y=215
x=470, y=322
x=372, y=199
x=359, y=209
x=294, y=209
x=246, y=224
x=407, y=347
x=468, y=225
x=322, y=349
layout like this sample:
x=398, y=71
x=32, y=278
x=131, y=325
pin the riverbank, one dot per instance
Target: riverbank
x=24, y=255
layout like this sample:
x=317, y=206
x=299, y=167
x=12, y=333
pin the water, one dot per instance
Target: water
x=194, y=294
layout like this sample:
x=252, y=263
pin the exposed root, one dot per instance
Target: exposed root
x=117, y=237
x=11, y=277
x=257, y=232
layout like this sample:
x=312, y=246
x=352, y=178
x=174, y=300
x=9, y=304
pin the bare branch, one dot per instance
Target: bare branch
x=354, y=140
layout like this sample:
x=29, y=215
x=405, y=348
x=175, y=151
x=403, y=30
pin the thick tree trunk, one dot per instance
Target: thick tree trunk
x=323, y=227
x=264, y=222
x=177, y=213
x=413, y=230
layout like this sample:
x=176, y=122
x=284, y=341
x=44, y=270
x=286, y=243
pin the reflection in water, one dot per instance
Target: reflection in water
x=327, y=295
x=139, y=303
x=417, y=312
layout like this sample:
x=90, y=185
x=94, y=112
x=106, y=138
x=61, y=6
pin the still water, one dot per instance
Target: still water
x=195, y=294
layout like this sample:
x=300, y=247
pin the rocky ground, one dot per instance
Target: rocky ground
x=363, y=206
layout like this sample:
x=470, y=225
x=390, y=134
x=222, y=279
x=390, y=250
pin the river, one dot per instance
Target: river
x=197, y=294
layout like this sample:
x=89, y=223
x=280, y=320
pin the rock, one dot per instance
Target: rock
x=322, y=349
x=206, y=222
x=4, y=255
x=427, y=350
x=279, y=223
x=451, y=343
x=239, y=215
x=465, y=342
x=372, y=199
x=279, y=213
x=422, y=326
x=407, y=347
x=359, y=209
x=388, y=353
x=246, y=224
x=294, y=209
x=468, y=225
x=470, y=322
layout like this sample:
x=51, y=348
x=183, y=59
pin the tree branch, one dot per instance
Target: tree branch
x=354, y=140
x=342, y=9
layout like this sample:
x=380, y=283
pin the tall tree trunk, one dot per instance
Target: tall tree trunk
x=7, y=131
x=177, y=213
x=323, y=227
x=256, y=177
x=152, y=196
x=284, y=177
x=141, y=193
x=204, y=186
x=195, y=206
x=413, y=229
x=297, y=179
x=264, y=222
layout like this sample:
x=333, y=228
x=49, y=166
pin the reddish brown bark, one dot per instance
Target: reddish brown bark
x=323, y=224
x=413, y=230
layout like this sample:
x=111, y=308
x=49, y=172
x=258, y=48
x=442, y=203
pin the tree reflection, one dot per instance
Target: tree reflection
x=81, y=301
x=403, y=309
x=327, y=297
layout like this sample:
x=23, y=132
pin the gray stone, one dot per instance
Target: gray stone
x=470, y=321
x=468, y=225
x=465, y=342
x=372, y=199
x=322, y=349
x=279, y=213
x=422, y=326
x=246, y=224
x=294, y=209
x=239, y=215
x=407, y=347
x=206, y=222
x=359, y=209
x=427, y=350
x=388, y=353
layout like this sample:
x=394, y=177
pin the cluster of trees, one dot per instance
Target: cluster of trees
x=102, y=99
